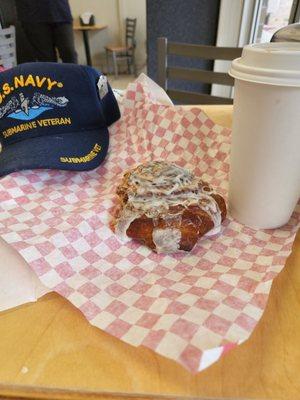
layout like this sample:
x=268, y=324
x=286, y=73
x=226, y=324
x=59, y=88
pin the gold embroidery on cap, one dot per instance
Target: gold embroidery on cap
x=78, y=160
x=40, y=123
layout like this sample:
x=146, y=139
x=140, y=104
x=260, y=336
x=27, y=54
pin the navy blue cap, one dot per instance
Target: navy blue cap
x=54, y=116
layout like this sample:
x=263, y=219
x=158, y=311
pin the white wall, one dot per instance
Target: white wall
x=111, y=13
x=234, y=30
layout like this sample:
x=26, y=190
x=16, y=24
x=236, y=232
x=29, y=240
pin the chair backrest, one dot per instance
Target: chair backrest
x=8, y=56
x=164, y=48
x=130, y=32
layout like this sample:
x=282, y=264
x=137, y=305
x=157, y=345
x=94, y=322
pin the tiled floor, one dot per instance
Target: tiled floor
x=121, y=82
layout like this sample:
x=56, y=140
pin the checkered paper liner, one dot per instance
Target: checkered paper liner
x=191, y=307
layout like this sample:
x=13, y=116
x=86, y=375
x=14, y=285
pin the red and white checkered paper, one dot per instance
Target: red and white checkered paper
x=191, y=307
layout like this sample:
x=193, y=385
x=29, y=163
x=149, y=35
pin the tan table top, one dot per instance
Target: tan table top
x=77, y=27
x=61, y=350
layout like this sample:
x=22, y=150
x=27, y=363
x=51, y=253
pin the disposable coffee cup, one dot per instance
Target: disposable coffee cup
x=264, y=183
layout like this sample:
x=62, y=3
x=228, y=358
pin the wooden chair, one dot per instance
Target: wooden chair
x=8, y=56
x=126, y=52
x=165, y=72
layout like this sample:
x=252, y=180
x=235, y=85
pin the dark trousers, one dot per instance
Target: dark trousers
x=45, y=38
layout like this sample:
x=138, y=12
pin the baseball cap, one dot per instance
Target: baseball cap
x=54, y=116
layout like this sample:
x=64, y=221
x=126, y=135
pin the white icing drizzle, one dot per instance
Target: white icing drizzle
x=126, y=217
x=166, y=240
x=153, y=188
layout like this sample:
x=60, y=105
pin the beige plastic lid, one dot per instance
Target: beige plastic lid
x=269, y=63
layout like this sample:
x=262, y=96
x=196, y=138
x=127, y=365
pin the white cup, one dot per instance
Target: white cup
x=264, y=184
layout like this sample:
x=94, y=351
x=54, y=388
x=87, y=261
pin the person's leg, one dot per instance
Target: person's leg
x=40, y=36
x=64, y=41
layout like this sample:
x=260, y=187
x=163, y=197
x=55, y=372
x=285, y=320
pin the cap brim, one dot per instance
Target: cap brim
x=79, y=151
